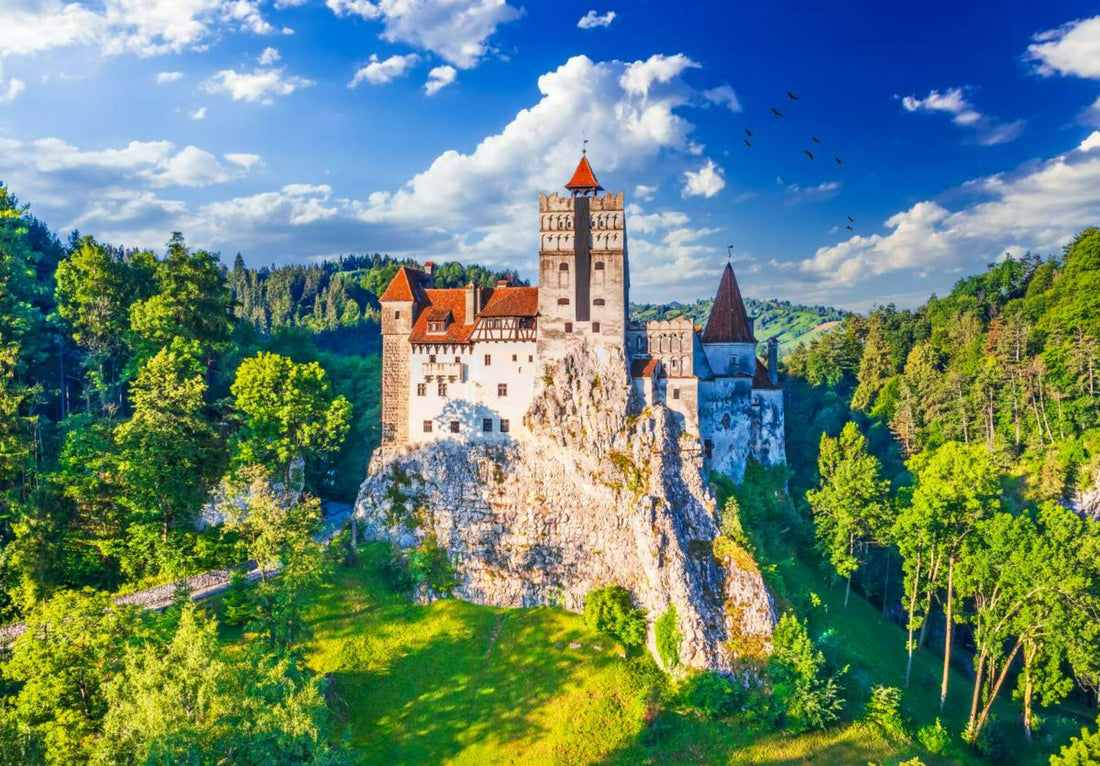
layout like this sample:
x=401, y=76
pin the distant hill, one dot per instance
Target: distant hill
x=792, y=323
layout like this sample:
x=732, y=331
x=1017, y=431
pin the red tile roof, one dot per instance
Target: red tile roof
x=441, y=301
x=644, y=368
x=583, y=178
x=510, y=302
x=728, y=321
x=760, y=378
x=403, y=285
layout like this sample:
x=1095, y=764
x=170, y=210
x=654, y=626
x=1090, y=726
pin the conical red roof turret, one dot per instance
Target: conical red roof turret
x=728, y=321
x=583, y=180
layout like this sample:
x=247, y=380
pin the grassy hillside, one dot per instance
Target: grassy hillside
x=792, y=324
x=462, y=684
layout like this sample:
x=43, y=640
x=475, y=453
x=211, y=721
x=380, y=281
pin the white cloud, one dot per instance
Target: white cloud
x=591, y=20
x=1039, y=207
x=640, y=76
x=246, y=161
x=268, y=57
x=723, y=95
x=644, y=192
x=954, y=102
x=166, y=77
x=1090, y=115
x=191, y=167
x=439, y=78
x=199, y=114
x=1072, y=49
x=295, y=204
x=819, y=193
x=13, y=88
x=380, y=72
x=259, y=85
x=704, y=182
x=142, y=27
x=456, y=30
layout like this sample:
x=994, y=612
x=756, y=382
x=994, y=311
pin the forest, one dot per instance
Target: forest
x=932, y=546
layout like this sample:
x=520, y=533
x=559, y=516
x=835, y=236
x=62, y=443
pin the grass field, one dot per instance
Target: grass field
x=456, y=683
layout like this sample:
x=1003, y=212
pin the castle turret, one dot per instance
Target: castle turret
x=728, y=337
x=583, y=270
x=400, y=304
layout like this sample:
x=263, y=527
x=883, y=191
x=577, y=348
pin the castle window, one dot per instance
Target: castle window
x=563, y=266
x=431, y=358
x=504, y=426
x=427, y=426
x=442, y=389
x=458, y=359
x=530, y=357
x=397, y=315
x=595, y=327
x=599, y=266
x=488, y=359
x=436, y=327
x=487, y=425
x=421, y=389
x=454, y=426
x=502, y=389
x=599, y=302
x=515, y=357
x=675, y=393
x=674, y=364
x=563, y=301
x=569, y=327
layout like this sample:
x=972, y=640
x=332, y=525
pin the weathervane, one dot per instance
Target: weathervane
x=584, y=144
x=729, y=253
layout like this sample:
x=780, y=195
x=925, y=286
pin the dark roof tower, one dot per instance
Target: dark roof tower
x=728, y=321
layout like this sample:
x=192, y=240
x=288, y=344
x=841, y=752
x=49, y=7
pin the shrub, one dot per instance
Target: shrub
x=935, y=738
x=992, y=743
x=804, y=695
x=884, y=710
x=710, y=695
x=429, y=566
x=1081, y=751
x=236, y=609
x=611, y=611
x=669, y=636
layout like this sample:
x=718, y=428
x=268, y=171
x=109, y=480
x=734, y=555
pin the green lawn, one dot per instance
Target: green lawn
x=463, y=684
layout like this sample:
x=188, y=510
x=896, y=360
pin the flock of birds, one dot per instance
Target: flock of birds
x=814, y=139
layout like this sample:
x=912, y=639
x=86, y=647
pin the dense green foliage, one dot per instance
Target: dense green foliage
x=611, y=611
x=668, y=636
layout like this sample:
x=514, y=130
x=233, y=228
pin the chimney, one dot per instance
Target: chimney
x=773, y=361
x=429, y=269
x=471, y=302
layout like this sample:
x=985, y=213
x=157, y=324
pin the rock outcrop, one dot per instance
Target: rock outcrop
x=589, y=496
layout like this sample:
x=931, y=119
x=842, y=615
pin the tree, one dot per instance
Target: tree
x=1081, y=751
x=287, y=413
x=955, y=488
x=807, y=697
x=851, y=506
x=875, y=365
x=168, y=450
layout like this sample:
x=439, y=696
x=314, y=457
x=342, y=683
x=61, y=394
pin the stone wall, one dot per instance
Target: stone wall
x=590, y=495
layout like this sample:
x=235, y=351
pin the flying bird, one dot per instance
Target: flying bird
x=748, y=132
x=808, y=153
x=850, y=219
x=849, y=227
x=776, y=112
x=747, y=142
x=838, y=162
x=792, y=96
x=815, y=139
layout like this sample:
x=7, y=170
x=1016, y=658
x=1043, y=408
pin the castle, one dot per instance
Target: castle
x=464, y=363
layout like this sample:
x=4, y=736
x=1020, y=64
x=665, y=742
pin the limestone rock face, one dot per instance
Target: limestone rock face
x=593, y=495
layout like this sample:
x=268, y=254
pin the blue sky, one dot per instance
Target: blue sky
x=297, y=129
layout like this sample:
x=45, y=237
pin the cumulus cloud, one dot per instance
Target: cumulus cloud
x=259, y=85
x=953, y=101
x=10, y=89
x=456, y=30
x=723, y=95
x=246, y=161
x=379, y=72
x=166, y=77
x=1038, y=207
x=1072, y=49
x=592, y=20
x=645, y=192
x=199, y=114
x=268, y=57
x=141, y=27
x=439, y=78
x=704, y=182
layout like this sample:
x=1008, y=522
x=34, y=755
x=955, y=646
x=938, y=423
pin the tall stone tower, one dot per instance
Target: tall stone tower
x=400, y=303
x=583, y=272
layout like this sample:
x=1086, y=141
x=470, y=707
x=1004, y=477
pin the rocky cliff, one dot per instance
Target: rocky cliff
x=595, y=493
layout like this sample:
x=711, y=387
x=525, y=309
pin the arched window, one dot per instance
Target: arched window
x=563, y=266
x=563, y=274
x=599, y=266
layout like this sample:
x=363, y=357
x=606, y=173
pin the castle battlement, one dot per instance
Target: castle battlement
x=465, y=363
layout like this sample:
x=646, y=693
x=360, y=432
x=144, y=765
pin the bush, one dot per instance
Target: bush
x=804, y=695
x=710, y=695
x=935, y=738
x=669, y=636
x=884, y=710
x=611, y=611
x=236, y=609
x=1081, y=751
x=429, y=565
x=992, y=743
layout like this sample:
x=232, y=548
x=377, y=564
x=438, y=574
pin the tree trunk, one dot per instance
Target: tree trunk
x=977, y=729
x=851, y=552
x=948, y=613
x=912, y=612
x=1029, y=688
x=979, y=680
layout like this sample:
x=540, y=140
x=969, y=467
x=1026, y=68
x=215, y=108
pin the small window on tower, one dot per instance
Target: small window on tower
x=488, y=359
x=436, y=327
x=427, y=426
x=569, y=327
x=563, y=266
x=504, y=425
x=595, y=327
x=454, y=426
x=397, y=315
x=431, y=358
x=515, y=357
x=599, y=302
x=563, y=301
x=599, y=266
x=487, y=425
x=442, y=389
x=502, y=389
x=421, y=389
x=675, y=393
x=458, y=359
x=530, y=357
